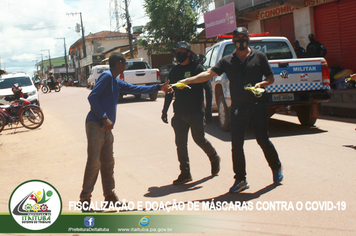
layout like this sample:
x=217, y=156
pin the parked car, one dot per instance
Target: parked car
x=28, y=87
x=139, y=72
x=95, y=72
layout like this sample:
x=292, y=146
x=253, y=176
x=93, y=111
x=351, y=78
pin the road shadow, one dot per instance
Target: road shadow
x=15, y=130
x=224, y=200
x=350, y=146
x=160, y=191
x=277, y=128
x=242, y=197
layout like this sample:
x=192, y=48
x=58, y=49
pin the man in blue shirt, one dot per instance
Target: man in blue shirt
x=99, y=123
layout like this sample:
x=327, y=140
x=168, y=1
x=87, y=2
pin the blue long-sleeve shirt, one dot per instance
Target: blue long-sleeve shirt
x=103, y=98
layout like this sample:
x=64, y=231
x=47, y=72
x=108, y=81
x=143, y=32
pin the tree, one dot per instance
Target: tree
x=171, y=21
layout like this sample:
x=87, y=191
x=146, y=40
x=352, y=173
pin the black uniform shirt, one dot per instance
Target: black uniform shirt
x=315, y=48
x=240, y=74
x=187, y=101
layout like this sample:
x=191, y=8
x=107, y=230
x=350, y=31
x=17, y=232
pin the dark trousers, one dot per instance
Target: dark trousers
x=240, y=117
x=181, y=125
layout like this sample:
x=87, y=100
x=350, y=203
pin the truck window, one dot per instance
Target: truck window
x=273, y=50
x=135, y=65
x=228, y=49
x=208, y=57
x=214, y=56
x=102, y=70
x=8, y=83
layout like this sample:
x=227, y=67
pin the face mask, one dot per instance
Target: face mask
x=181, y=56
x=241, y=44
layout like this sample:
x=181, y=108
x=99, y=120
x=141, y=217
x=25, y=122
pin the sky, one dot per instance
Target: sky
x=28, y=28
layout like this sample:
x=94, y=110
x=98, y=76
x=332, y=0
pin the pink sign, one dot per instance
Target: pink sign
x=220, y=21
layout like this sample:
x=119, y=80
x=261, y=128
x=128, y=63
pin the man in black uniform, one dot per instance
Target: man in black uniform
x=315, y=48
x=188, y=113
x=245, y=66
x=301, y=53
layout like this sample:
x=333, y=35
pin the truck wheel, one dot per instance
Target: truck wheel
x=224, y=116
x=137, y=96
x=305, y=115
x=153, y=96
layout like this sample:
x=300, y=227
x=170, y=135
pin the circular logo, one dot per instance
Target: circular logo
x=35, y=204
x=144, y=221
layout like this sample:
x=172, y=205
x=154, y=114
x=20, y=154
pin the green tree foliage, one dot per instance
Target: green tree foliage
x=171, y=21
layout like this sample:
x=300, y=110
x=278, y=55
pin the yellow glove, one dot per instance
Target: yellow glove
x=256, y=91
x=179, y=85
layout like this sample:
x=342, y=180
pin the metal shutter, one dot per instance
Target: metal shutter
x=287, y=27
x=347, y=17
x=335, y=28
x=327, y=31
x=281, y=26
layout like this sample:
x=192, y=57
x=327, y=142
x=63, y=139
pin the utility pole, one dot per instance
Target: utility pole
x=129, y=29
x=42, y=63
x=65, y=55
x=36, y=66
x=83, y=39
x=49, y=56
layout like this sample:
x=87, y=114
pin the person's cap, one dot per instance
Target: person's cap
x=182, y=44
x=241, y=30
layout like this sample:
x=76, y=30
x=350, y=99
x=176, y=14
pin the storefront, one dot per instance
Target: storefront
x=335, y=28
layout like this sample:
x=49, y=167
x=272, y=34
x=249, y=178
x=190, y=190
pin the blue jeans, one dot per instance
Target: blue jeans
x=240, y=117
x=100, y=158
x=181, y=124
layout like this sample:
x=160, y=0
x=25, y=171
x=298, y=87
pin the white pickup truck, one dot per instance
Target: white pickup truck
x=139, y=72
x=300, y=84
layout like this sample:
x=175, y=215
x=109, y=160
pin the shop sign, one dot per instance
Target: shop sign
x=275, y=12
x=220, y=21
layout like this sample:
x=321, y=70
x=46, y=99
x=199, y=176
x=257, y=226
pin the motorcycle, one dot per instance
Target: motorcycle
x=20, y=111
x=72, y=82
x=48, y=88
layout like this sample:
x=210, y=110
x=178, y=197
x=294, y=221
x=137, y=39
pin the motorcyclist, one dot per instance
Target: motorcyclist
x=37, y=81
x=51, y=81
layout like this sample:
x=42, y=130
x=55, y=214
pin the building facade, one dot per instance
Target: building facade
x=331, y=21
x=98, y=46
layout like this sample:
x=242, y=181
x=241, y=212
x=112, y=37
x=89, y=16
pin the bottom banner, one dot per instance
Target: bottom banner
x=111, y=223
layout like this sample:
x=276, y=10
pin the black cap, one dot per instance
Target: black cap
x=241, y=30
x=182, y=44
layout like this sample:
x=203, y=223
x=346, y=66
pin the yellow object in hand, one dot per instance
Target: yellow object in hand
x=179, y=85
x=256, y=91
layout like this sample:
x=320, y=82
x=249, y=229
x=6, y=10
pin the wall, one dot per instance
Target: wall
x=302, y=25
x=255, y=27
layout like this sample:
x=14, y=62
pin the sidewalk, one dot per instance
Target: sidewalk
x=342, y=104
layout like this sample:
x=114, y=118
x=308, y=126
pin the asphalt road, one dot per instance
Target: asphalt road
x=317, y=196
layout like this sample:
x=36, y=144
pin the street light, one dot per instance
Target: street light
x=49, y=56
x=86, y=69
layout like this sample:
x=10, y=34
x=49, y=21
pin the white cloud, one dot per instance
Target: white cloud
x=28, y=27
